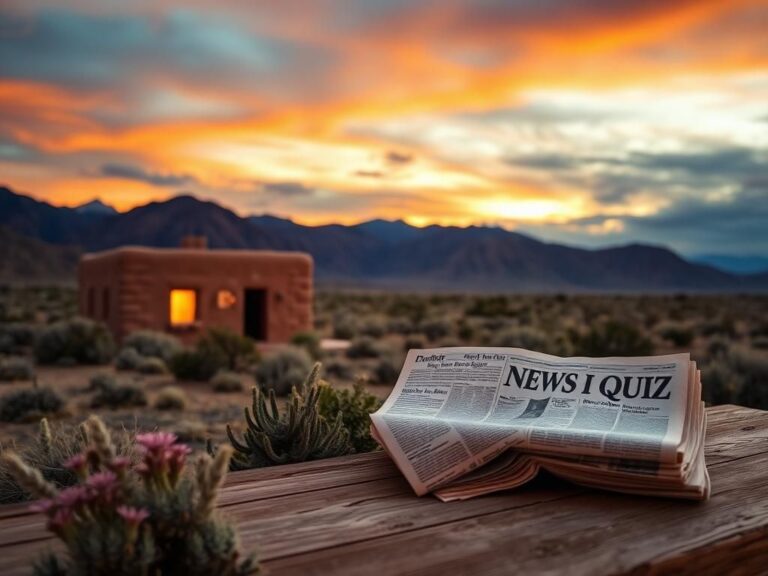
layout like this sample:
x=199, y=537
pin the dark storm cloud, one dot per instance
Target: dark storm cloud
x=731, y=161
x=131, y=172
x=545, y=161
x=83, y=50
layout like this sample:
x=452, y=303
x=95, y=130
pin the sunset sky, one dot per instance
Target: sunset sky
x=581, y=121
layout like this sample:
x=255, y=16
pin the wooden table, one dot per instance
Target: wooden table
x=356, y=515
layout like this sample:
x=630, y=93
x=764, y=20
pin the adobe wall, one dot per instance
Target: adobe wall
x=145, y=277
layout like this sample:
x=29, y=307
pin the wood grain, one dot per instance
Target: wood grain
x=356, y=515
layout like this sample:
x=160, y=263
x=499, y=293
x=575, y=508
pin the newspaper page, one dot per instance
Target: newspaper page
x=454, y=409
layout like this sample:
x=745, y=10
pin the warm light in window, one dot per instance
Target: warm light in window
x=225, y=299
x=183, y=307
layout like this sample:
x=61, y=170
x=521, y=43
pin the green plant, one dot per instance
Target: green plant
x=387, y=369
x=297, y=434
x=310, y=341
x=115, y=395
x=614, y=338
x=17, y=338
x=232, y=350
x=30, y=403
x=49, y=451
x=283, y=370
x=680, y=335
x=16, y=369
x=152, y=365
x=355, y=406
x=171, y=398
x=436, y=328
x=158, y=519
x=195, y=365
x=128, y=359
x=363, y=347
x=152, y=344
x=75, y=341
x=226, y=381
x=521, y=337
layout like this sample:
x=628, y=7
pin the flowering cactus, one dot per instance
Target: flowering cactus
x=154, y=519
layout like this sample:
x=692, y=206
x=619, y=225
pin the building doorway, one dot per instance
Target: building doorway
x=255, y=314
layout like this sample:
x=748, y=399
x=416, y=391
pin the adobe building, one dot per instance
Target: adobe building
x=183, y=291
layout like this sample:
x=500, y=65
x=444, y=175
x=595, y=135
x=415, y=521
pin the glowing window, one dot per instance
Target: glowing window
x=183, y=307
x=225, y=299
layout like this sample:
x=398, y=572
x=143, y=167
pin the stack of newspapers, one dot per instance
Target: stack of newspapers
x=462, y=422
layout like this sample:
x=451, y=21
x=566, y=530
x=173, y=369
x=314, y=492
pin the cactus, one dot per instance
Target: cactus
x=157, y=518
x=298, y=434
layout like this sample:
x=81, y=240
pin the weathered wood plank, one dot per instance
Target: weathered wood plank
x=586, y=533
x=315, y=516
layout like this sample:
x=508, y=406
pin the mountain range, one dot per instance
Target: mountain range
x=378, y=253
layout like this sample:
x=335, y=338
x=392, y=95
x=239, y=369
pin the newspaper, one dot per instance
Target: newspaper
x=604, y=420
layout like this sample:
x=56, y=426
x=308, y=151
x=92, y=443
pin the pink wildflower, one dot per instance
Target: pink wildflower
x=119, y=464
x=76, y=462
x=156, y=441
x=72, y=497
x=103, y=486
x=133, y=515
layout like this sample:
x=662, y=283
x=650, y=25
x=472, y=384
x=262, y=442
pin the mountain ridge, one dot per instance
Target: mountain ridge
x=379, y=253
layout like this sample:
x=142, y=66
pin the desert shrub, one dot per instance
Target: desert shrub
x=29, y=404
x=339, y=368
x=344, y=326
x=465, y=331
x=414, y=342
x=400, y=326
x=48, y=453
x=15, y=338
x=119, y=521
x=227, y=381
x=521, y=337
x=310, y=341
x=128, y=359
x=488, y=306
x=375, y=327
x=75, y=341
x=363, y=347
x=297, y=434
x=171, y=398
x=387, y=369
x=718, y=346
x=614, y=338
x=752, y=367
x=116, y=395
x=152, y=344
x=282, y=370
x=231, y=350
x=195, y=365
x=719, y=384
x=100, y=381
x=724, y=326
x=16, y=369
x=436, y=328
x=152, y=365
x=678, y=334
x=354, y=406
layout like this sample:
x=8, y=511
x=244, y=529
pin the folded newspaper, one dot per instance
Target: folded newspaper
x=462, y=422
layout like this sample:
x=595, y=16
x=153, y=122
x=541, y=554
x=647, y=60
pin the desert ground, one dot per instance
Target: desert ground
x=363, y=336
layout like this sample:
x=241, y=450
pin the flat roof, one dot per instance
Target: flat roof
x=197, y=254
